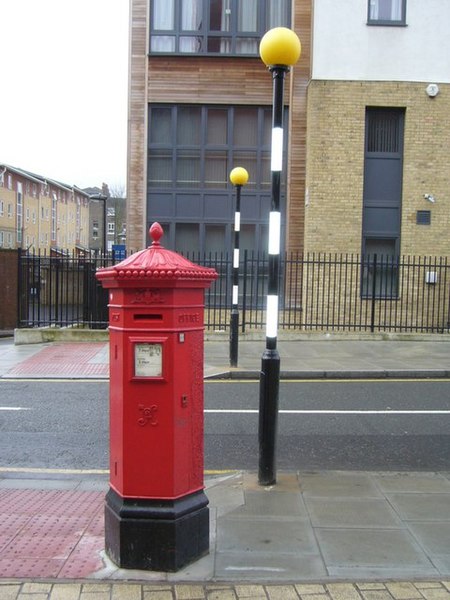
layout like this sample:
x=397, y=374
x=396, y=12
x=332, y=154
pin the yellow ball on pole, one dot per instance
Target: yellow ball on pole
x=239, y=176
x=280, y=46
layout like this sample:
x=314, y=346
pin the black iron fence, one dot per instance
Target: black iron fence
x=323, y=292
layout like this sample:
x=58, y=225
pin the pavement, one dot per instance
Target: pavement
x=322, y=535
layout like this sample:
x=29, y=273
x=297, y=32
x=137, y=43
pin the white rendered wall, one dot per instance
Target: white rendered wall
x=346, y=48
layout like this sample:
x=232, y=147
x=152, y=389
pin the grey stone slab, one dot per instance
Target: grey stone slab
x=368, y=548
x=257, y=504
x=442, y=564
x=352, y=513
x=260, y=566
x=366, y=573
x=225, y=497
x=421, y=507
x=413, y=482
x=338, y=483
x=265, y=535
x=96, y=485
x=200, y=570
x=433, y=537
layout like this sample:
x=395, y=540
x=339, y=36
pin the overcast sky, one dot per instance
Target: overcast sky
x=63, y=89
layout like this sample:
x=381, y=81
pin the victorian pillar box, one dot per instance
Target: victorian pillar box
x=156, y=514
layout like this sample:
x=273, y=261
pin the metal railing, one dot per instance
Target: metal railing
x=323, y=292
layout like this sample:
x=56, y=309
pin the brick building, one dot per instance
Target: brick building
x=378, y=176
x=41, y=214
x=200, y=103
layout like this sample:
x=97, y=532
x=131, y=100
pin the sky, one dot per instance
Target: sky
x=63, y=89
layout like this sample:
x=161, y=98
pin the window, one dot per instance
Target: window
x=231, y=27
x=19, y=209
x=1, y=239
x=382, y=200
x=187, y=237
x=54, y=222
x=111, y=227
x=1, y=208
x=387, y=12
x=380, y=269
x=196, y=146
x=191, y=151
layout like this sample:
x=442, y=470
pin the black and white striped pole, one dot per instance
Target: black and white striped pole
x=279, y=49
x=238, y=177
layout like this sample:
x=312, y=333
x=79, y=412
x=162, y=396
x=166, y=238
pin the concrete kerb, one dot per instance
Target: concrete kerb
x=238, y=374
x=40, y=335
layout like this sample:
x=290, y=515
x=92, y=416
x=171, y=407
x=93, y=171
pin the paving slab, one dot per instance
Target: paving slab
x=339, y=483
x=352, y=513
x=421, y=507
x=265, y=566
x=434, y=537
x=373, y=549
x=413, y=482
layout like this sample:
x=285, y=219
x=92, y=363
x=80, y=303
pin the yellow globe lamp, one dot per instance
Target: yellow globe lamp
x=239, y=176
x=280, y=46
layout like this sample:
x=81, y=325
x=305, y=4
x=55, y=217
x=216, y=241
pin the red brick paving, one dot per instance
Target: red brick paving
x=53, y=533
x=65, y=360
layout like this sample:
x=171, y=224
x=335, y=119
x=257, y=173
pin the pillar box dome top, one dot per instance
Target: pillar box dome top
x=155, y=264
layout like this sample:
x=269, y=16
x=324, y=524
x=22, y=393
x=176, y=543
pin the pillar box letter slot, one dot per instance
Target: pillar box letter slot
x=156, y=511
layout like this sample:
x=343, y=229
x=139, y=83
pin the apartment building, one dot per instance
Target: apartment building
x=39, y=213
x=366, y=112
x=200, y=104
x=377, y=166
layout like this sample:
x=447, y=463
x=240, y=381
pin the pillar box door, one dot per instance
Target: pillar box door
x=156, y=514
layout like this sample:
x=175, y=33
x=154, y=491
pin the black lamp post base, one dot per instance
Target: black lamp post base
x=234, y=338
x=156, y=535
x=268, y=415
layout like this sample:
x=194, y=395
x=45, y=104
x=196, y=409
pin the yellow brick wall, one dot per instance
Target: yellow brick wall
x=335, y=164
x=8, y=223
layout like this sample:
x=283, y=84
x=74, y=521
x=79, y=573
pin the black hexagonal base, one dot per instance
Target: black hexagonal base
x=156, y=535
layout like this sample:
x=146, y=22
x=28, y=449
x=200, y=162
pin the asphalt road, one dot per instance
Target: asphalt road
x=369, y=425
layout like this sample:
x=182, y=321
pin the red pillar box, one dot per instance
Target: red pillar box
x=156, y=514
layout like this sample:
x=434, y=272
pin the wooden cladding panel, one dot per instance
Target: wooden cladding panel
x=300, y=78
x=137, y=135
x=208, y=80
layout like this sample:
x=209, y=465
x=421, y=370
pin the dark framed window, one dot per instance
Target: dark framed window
x=192, y=146
x=380, y=268
x=191, y=151
x=214, y=27
x=382, y=202
x=387, y=12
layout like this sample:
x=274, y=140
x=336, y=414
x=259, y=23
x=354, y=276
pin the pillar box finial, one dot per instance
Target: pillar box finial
x=156, y=262
x=156, y=232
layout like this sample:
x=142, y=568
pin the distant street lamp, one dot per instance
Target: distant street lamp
x=238, y=178
x=279, y=49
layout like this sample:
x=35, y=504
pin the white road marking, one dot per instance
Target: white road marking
x=254, y=411
x=13, y=408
